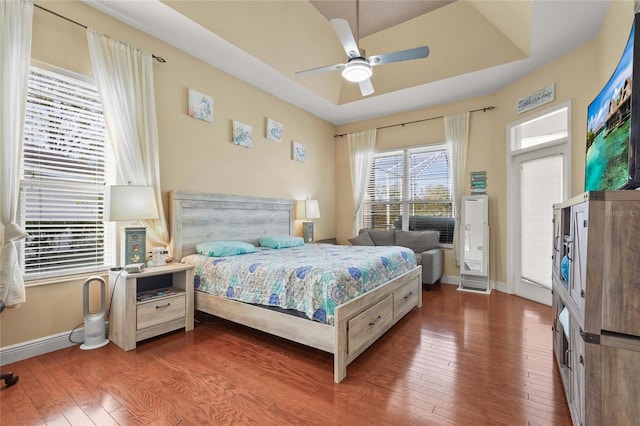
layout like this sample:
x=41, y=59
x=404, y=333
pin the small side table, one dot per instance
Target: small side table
x=149, y=303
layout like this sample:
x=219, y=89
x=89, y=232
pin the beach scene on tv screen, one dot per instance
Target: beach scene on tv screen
x=608, y=129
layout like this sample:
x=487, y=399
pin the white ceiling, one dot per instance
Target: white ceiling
x=497, y=51
x=372, y=16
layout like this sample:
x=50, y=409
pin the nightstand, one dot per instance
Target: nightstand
x=149, y=303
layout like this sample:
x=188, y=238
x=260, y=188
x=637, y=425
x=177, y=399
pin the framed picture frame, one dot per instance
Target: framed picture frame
x=242, y=134
x=200, y=106
x=298, y=151
x=273, y=130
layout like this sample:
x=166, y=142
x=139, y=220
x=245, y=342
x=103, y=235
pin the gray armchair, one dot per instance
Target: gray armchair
x=425, y=245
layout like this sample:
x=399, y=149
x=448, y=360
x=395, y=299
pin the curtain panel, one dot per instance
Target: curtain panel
x=456, y=129
x=16, y=19
x=361, y=151
x=124, y=77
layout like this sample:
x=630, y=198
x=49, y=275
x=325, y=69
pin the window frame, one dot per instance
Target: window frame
x=406, y=201
x=89, y=189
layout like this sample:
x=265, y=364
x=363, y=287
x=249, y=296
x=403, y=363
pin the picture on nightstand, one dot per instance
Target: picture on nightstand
x=135, y=245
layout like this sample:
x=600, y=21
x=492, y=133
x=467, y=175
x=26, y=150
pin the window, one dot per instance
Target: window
x=538, y=176
x=65, y=168
x=547, y=128
x=411, y=189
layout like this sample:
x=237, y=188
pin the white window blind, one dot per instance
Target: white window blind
x=411, y=189
x=383, y=200
x=540, y=188
x=66, y=165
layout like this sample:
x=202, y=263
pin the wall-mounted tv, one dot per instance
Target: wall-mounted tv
x=613, y=126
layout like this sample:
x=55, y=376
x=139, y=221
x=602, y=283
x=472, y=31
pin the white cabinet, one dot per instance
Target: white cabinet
x=474, y=243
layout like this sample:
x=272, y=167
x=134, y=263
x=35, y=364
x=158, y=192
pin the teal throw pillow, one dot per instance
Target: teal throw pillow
x=224, y=248
x=281, y=241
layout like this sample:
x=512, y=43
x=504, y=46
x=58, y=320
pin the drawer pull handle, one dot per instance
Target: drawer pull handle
x=408, y=295
x=163, y=306
x=375, y=321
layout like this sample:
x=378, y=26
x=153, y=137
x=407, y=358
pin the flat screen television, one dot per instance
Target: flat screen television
x=613, y=126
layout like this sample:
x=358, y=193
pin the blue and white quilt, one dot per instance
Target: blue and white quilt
x=312, y=279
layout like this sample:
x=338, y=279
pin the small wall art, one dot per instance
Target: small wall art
x=200, y=106
x=534, y=100
x=298, y=151
x=274, y=130
x=242, y=134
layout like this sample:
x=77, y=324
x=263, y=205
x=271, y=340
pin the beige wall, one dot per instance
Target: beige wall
x=577, y=77
x=194, y=155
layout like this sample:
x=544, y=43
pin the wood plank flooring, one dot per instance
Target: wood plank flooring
x=463, y=359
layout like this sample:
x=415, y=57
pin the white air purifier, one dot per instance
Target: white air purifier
x=94, y=323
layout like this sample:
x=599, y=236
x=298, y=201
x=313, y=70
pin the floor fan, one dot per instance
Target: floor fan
x=94, y=323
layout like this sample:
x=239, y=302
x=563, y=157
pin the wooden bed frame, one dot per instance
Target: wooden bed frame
x=199, y=217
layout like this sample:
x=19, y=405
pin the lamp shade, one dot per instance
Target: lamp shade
x=307, y=209
x=357, y=70
x=130, y=202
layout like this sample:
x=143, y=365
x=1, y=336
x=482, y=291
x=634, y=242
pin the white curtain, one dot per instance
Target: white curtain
x=361, y=150
x=124, y=77
x=16, y=19
x=456, y=130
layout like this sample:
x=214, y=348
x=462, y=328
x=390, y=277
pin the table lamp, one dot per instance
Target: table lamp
x=307, y=209
x=132, y=203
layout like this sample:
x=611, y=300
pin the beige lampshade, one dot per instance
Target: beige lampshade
x=130, y=202
x=307, y=209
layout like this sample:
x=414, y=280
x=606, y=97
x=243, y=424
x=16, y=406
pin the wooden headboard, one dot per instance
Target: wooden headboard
x=200, y=217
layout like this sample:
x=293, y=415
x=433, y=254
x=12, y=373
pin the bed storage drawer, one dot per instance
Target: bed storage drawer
x=159, y=311
x=368, y=325
x=404, y=300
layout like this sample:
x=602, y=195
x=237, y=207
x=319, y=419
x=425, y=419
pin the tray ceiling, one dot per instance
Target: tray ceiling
x=476, y=47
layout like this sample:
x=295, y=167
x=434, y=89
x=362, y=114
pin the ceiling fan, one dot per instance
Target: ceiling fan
x=358, y=68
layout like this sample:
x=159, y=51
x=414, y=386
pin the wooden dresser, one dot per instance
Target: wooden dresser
x=596, y=332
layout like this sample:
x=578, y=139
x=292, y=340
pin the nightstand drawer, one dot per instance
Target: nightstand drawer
x=159, y=311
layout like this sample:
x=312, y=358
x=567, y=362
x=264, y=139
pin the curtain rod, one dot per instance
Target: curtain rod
x=485, y=109
x=157, y=58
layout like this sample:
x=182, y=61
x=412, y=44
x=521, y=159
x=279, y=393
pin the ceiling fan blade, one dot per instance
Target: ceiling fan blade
x=320, y=70
x=399, y=56
x=366, y=87
x=346, y=37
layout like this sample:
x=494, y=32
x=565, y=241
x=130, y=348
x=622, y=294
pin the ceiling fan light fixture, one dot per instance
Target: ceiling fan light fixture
x=357, y=70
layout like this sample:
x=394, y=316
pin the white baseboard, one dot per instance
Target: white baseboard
x=501, y=287
x=41, y=346
x=455, y=280
x=450, y=279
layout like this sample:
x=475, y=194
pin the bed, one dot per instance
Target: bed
x=352, y=327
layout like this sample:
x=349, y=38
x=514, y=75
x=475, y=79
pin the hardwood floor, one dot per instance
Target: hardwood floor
x=463, y=359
